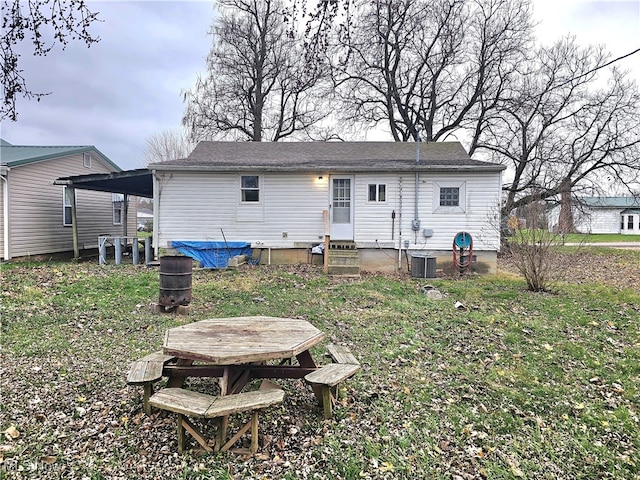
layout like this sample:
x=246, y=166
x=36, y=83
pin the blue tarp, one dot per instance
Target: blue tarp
x=212, y=254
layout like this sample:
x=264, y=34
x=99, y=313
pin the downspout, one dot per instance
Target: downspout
x=4, y=171
x=415, y=224
x=400, y=224
x=156, y=209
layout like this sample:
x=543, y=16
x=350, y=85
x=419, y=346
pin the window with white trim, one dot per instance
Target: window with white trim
x=449, y=197
x=86, y=160
x=377, y=192
x=67, y=201
x=117, y=200
x=250, y=188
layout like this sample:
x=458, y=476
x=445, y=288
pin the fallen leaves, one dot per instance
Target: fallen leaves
x=443, y=394
x=11, y=433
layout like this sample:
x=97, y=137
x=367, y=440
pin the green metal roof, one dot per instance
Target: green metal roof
x=17, y=155
x=610, y=202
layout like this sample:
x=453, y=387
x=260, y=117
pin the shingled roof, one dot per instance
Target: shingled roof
x=326, y=156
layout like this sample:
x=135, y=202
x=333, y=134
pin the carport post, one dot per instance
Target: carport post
x=74, y=223
x=118, y=246
x=135, y=253
x=125, y=215
x=148, y=253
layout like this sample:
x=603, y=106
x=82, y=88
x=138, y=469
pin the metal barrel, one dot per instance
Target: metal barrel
x=175, y=280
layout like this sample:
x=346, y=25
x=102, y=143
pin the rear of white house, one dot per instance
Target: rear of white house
x=391, y=200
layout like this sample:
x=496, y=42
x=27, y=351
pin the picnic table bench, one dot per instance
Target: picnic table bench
x=200, y=405
x=328, y=377
x=146, y=372
x=341, y=354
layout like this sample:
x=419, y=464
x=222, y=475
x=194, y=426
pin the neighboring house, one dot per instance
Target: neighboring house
x=604, y=215
x=284, y=197
x=35, y=216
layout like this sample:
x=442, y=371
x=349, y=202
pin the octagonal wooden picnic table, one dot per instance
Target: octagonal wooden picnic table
x=239, y=349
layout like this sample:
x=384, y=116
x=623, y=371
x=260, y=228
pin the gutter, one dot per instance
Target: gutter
x=390, y=167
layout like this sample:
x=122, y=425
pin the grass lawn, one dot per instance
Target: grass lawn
x=513, y=385
x=600, y=238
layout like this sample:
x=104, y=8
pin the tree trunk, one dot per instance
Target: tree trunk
x=565, y=219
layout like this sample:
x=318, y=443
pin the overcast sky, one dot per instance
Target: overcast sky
x=127, y=87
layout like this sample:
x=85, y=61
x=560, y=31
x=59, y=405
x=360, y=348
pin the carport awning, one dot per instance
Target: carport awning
x=131, y=182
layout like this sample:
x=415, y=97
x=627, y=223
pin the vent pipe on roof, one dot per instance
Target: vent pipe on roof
x=415, y=224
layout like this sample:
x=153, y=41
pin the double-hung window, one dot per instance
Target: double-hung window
x=68, y=195
x=117, y=200
x=250, y=188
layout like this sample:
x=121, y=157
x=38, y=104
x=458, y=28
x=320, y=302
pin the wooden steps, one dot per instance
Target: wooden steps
x=343, y=259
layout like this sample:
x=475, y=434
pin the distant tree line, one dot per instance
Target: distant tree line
x=450, y=69
x=563, y=117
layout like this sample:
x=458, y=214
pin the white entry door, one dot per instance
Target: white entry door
x=341, y=207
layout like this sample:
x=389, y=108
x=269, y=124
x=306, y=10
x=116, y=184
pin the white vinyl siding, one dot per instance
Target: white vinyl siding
x=202, y=205
x=36, y=208
x=598, y=220
x=374, y=222
x=196, y=206
x=3, y=185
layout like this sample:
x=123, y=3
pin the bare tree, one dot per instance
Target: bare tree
x=45, y=24
x=533, y=250
x=440, y=66
x=561, y=131
x=166, y=145
x=259, y=85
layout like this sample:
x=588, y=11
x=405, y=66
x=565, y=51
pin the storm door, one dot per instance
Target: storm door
x=341, y=207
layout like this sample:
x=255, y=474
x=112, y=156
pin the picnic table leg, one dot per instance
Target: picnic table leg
x=178, y=381
x=185, y=425
x=180, y=433
x=254, y=431
x=223, y=423
x=239, y=382
x=327, y=403
x=306, y=360
x=147, y=392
